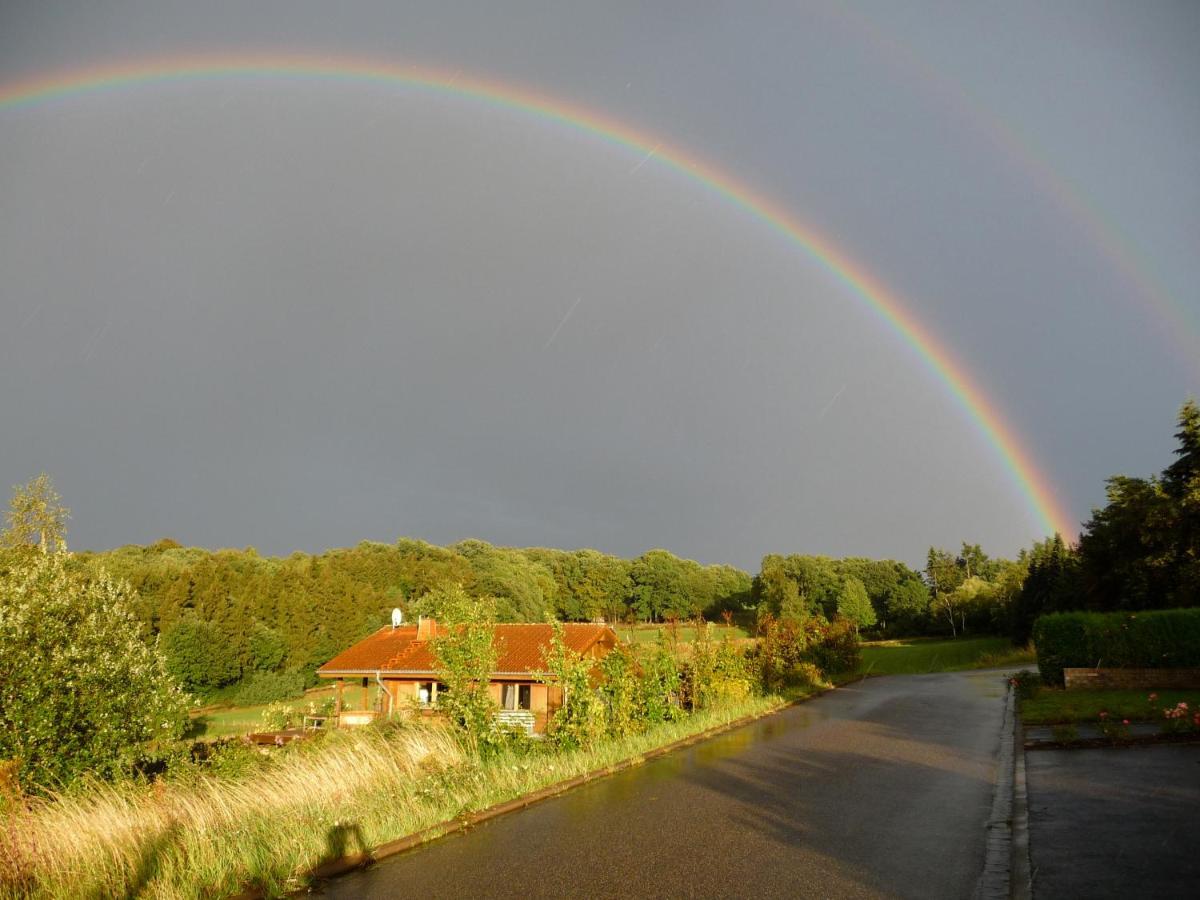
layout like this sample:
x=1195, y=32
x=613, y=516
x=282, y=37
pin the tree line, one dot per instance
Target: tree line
x=226, y=615
x=1139, y=551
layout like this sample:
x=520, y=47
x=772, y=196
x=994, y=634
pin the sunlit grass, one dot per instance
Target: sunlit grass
x=210, y=836
x=923, y=656
x=234, y=721
x=649, y=634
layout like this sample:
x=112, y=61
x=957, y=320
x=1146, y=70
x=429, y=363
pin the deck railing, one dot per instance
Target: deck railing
x=517, y=718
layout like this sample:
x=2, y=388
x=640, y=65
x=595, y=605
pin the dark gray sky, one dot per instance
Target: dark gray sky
x=298, y=314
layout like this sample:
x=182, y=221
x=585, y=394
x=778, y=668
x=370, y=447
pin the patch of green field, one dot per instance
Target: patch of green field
x=233, y=721
x=648, y=634
x=916, y=657
x=1052, y=706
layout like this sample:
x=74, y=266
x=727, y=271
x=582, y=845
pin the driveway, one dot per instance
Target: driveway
x=1115, y=822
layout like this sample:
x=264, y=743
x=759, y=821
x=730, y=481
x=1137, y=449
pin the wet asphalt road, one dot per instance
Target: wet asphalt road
x=1115, y=822
x=879, y=789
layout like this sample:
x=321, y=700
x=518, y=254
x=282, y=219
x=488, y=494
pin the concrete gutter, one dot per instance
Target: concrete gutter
x=1006, y=868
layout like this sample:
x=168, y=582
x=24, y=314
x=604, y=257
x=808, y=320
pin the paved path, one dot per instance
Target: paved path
x=882, y=788
x=1115, y=822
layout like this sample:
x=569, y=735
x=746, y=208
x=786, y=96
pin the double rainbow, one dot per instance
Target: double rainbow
x=1023, y=473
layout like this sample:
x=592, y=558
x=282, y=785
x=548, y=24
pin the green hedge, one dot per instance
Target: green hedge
x=1159, y=639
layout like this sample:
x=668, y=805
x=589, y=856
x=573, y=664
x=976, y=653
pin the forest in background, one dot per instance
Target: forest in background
x=228, y=617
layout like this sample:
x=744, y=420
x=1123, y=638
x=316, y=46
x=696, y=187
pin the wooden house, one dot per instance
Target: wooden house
x=400, y=662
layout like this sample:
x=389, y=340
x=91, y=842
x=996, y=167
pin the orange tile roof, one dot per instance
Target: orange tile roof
x=520, y=649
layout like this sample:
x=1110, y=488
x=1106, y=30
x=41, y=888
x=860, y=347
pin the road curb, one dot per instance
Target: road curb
x=347, y=864
x=996, y=881
x=1022, y=867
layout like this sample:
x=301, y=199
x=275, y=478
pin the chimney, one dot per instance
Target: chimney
x=426, y=628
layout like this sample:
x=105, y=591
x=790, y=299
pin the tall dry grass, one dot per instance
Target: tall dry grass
x=214, y=836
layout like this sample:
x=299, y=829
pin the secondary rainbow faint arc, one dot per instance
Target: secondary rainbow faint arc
x=1027, y=477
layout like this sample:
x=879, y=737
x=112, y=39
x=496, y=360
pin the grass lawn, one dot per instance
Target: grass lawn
x=237, y=720
x=916, y=657
x=1052, y=706
x=648, y=634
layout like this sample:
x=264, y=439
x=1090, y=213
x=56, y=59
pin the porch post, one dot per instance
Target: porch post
x=337, y=703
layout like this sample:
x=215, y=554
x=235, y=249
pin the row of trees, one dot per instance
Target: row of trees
x=867, y=592
x=232, y=614
x=1141, y=550
x=956, y=593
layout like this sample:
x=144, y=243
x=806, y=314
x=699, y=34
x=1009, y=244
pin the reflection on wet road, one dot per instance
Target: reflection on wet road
x=882, y=788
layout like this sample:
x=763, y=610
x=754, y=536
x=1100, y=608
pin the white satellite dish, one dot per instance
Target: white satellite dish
x=397, y=617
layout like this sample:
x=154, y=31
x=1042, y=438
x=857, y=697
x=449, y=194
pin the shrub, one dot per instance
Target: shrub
x=265, y=687
x=582, y=718
x=277, y=716
x=658, y=687
x=714, y=673
x=789, y=648
x=1152, y=640
x=835, y=646
x=79, y=688
x=1026, y=684
x=619, y=689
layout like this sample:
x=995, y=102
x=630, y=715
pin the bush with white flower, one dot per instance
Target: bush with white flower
x=80, y=690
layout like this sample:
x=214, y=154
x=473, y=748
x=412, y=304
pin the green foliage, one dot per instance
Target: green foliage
x=466, y=656
x=265, y=687
x=582, y=718
x=319, y=605
x=267, y=648
x=81, y=690
x=714, y=672
x=908, y=607
x=1026, y=684
x=36, y=517
x=1156, y=639
x=198, y=655
x=854, y=605
x=277, y=716
x=792, y=652
x=523, y=590
x=659, y=686
x=619, y=692
x=833, y=646
x=1050, y=585
x=1142, y=549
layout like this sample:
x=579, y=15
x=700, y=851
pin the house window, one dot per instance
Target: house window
x=425, y=693
x=516, y=696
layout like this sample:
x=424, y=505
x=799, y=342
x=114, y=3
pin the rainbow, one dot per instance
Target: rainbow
x=1028, y=479
x=1176, y=324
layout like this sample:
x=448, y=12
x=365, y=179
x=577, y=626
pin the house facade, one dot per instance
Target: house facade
x=398, y=662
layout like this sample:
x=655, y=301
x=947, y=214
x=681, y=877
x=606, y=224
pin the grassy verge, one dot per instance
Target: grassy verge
x=1054, y=706
x=916, y=657
x=209, y=836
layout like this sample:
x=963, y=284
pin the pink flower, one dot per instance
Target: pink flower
x=1124, y=721
x=1182, y=705
x=1153, y=697
x=1103, y=714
